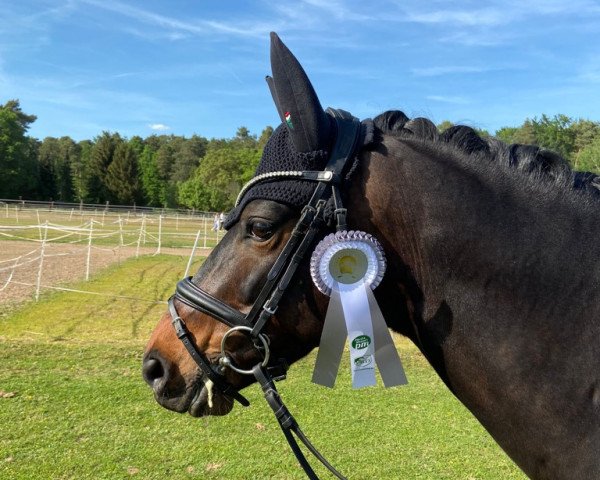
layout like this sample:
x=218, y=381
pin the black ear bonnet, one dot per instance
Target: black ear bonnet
x=301, y=142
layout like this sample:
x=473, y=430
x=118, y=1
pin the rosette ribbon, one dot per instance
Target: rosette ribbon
x=347, y=266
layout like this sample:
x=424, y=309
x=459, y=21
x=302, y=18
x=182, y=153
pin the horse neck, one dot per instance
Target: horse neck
x=445, y=219
x=485, y=277
x=473, y=251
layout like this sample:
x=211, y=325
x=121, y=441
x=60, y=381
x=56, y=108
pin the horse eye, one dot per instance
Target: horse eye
x=260, y=230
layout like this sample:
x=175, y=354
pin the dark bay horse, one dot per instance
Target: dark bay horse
x=493, y=272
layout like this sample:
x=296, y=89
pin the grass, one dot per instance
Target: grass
x=75, y=407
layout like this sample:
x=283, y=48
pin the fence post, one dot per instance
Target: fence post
x=144, y=223
x=17, y=213
x=89, y=251
x=189, y=264
x=37, y=211
x=7, y=210
x=39, y=276
x=205, y=222
x=159, y=234
x=137, y=250
x=120, y=230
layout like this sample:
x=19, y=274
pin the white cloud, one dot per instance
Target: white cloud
x=445, y=70
x=179, y=28
x=476, y=18
x=159, y=127
x=338, y=10
x=448, y=99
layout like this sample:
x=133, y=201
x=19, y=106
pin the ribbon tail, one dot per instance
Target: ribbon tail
x=331, y=347
x=358, y=322
x=386, y=355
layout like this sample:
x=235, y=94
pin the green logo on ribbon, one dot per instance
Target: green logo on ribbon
x=360, y=342
x=362, y=362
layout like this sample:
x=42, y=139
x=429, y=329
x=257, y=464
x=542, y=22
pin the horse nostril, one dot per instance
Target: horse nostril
x=152, y=371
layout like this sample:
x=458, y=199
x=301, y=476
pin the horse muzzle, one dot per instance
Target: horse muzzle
x=197, y=396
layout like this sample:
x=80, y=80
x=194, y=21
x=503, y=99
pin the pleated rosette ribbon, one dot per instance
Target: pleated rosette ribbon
x=347, y=266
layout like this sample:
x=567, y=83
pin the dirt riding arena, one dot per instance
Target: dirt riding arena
x=42, y=249
x=61, y=264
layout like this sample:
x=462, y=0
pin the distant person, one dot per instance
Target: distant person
x=216, y=223
x=221, y=220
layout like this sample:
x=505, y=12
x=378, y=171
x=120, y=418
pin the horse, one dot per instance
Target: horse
x=492, y=272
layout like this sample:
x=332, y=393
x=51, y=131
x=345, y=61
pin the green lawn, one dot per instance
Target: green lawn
x=73, y=404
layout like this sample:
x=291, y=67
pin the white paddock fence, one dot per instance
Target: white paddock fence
x=37, y=245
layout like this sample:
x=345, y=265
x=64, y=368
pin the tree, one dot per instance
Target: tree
x=101, y=157
x=244, y=137
x=122, y=175
x=18, y=152
x=506, y=134
x=264, y=137
x=445, y=125
x=555, y=134
x=586, y=132
x=165, y=159
x=589, y=157
x=222, y=172
x=186, y=157
x=68, y=153
x=525, y=134
x=80, y=170
x=151, y=183
x=48, y=154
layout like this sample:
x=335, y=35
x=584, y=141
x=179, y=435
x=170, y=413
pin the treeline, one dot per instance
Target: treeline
x=174, y=171
x=160, y=170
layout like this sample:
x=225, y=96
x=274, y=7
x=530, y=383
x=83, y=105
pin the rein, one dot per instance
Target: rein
x=278, y=279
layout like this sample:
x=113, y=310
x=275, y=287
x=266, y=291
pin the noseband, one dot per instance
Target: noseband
x=328, y=183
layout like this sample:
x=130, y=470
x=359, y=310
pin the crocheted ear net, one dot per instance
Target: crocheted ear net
x=280, y=155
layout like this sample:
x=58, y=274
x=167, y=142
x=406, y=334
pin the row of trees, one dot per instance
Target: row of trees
x=173, y=171
x=160, y=170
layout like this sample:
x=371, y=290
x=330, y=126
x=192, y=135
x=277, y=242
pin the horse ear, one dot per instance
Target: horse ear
x=296, y=100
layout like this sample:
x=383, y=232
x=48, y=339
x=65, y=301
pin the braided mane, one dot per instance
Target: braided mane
x=545, y=165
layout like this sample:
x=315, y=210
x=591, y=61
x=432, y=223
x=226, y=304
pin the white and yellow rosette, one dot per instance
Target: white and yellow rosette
x=347, y=266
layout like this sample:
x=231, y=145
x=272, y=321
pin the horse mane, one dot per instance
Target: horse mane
x=543, y=165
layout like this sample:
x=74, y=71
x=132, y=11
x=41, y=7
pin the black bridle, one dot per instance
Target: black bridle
x=328, y=183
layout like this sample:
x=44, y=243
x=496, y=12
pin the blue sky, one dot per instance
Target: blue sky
x=177, y=67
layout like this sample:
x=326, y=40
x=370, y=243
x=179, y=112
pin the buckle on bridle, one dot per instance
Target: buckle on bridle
x=269, y=310
x=340, y=216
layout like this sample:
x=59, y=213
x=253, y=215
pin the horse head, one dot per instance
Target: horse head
x=278, y=216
